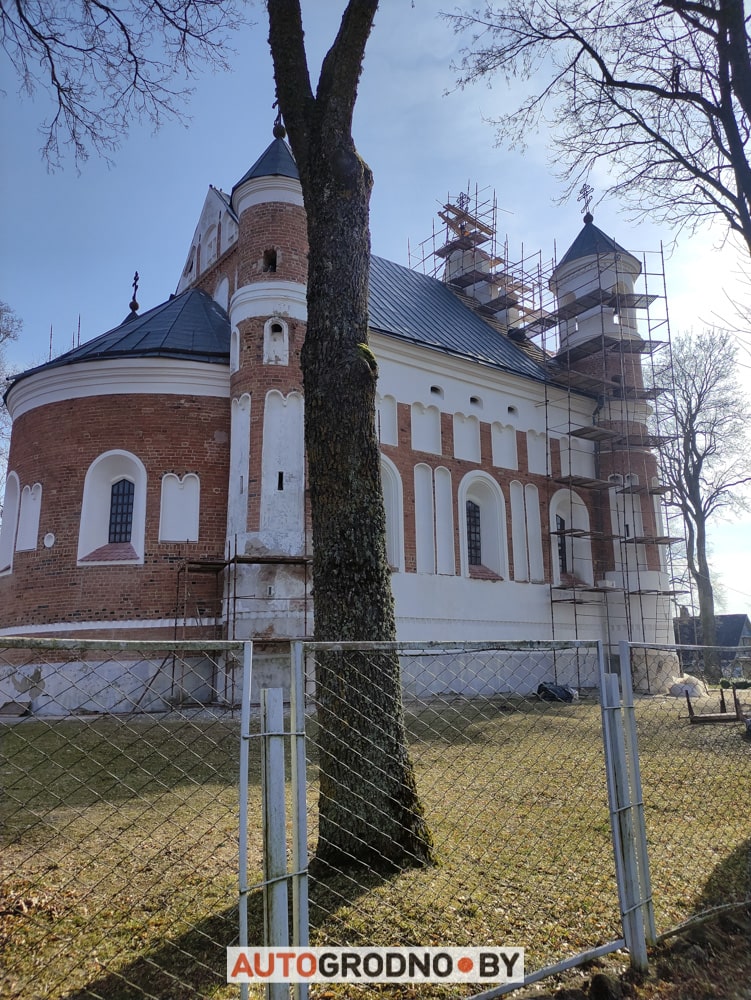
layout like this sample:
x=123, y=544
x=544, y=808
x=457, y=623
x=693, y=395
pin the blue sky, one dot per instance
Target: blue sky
x=72, y=240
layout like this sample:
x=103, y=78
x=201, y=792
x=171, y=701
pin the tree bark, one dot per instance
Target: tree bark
x=369, y=810
x=705, y=594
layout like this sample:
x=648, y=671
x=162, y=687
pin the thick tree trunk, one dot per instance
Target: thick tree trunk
x=369, y=810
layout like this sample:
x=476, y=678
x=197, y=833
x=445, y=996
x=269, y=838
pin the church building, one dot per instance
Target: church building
x=156, y=482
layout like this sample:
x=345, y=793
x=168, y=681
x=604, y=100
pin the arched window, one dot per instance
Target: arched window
x=571, y=544
x=483, y=536
x=10, y=522
x=113, y=512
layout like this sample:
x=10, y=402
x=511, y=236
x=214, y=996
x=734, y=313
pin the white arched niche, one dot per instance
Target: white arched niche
x=180, y=508
x=28, y=518
x=393, y=501
x=11, y=505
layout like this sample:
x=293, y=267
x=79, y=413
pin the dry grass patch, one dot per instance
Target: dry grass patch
x=120, y=844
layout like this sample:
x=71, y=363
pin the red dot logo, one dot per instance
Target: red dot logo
x=465, y=965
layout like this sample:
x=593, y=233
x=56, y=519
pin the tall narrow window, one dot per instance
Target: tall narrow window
x=474, y=546
x=121, y=511
x=560, y=527
x=269, y=261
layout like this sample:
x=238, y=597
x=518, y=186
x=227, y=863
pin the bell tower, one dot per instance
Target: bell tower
x=596, y=305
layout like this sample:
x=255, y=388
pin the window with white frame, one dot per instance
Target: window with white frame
x=113, y=511
x=483, y=538
x=570, y=539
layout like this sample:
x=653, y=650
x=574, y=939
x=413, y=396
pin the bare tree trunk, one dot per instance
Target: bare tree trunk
x=369, y=811
x=705, y=593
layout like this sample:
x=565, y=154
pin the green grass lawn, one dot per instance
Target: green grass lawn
x=120, y=844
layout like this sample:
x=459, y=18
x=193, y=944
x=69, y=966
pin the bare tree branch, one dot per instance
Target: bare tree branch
x=660, y=92
x=105, y=65
x=706, y=458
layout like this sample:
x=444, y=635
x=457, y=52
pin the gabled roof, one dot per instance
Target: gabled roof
x=190, y=326
x=403, y=303
x=591, y=242
x=275, y=161
x=730, y=630
x=423, y=310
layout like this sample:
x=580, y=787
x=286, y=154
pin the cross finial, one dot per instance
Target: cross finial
x=279, y=130
x=134, y=303
x=585, y=195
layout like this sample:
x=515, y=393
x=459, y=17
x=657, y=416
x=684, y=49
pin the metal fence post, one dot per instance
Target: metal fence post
x=243, y=818
x=300, y=925
x=275, y=875
x=637, y=794
x=624, y=847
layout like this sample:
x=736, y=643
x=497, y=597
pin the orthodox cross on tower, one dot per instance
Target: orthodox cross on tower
x=134, y=303
x=585, y=195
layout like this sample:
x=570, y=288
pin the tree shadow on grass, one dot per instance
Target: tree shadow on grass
x=190, y=965
x=729, y=881
x=193, y=964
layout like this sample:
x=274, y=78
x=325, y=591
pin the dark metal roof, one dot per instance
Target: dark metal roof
x=190, y=326
x=403, y=304
x=277, y=161
x=730, y=630
x=423, y=310
x=591, y=242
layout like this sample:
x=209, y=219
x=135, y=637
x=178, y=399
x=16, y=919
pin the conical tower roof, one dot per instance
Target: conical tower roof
x=592, y=242
x=275, y=161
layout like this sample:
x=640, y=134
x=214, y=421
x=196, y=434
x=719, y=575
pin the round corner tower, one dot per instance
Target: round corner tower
x=266, y=518
x=594, y=284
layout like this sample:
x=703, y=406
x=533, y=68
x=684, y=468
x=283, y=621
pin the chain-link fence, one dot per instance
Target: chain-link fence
x=119, y=823
x=506, y=759
x=691, y=704
x=121, y=816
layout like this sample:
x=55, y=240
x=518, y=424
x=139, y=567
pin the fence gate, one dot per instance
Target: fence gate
x=529, y=799
x=695, y=778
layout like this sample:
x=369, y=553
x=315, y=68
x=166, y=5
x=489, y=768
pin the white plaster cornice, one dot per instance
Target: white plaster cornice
x=262, y=190
x=269, y=298
x=116, y=377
